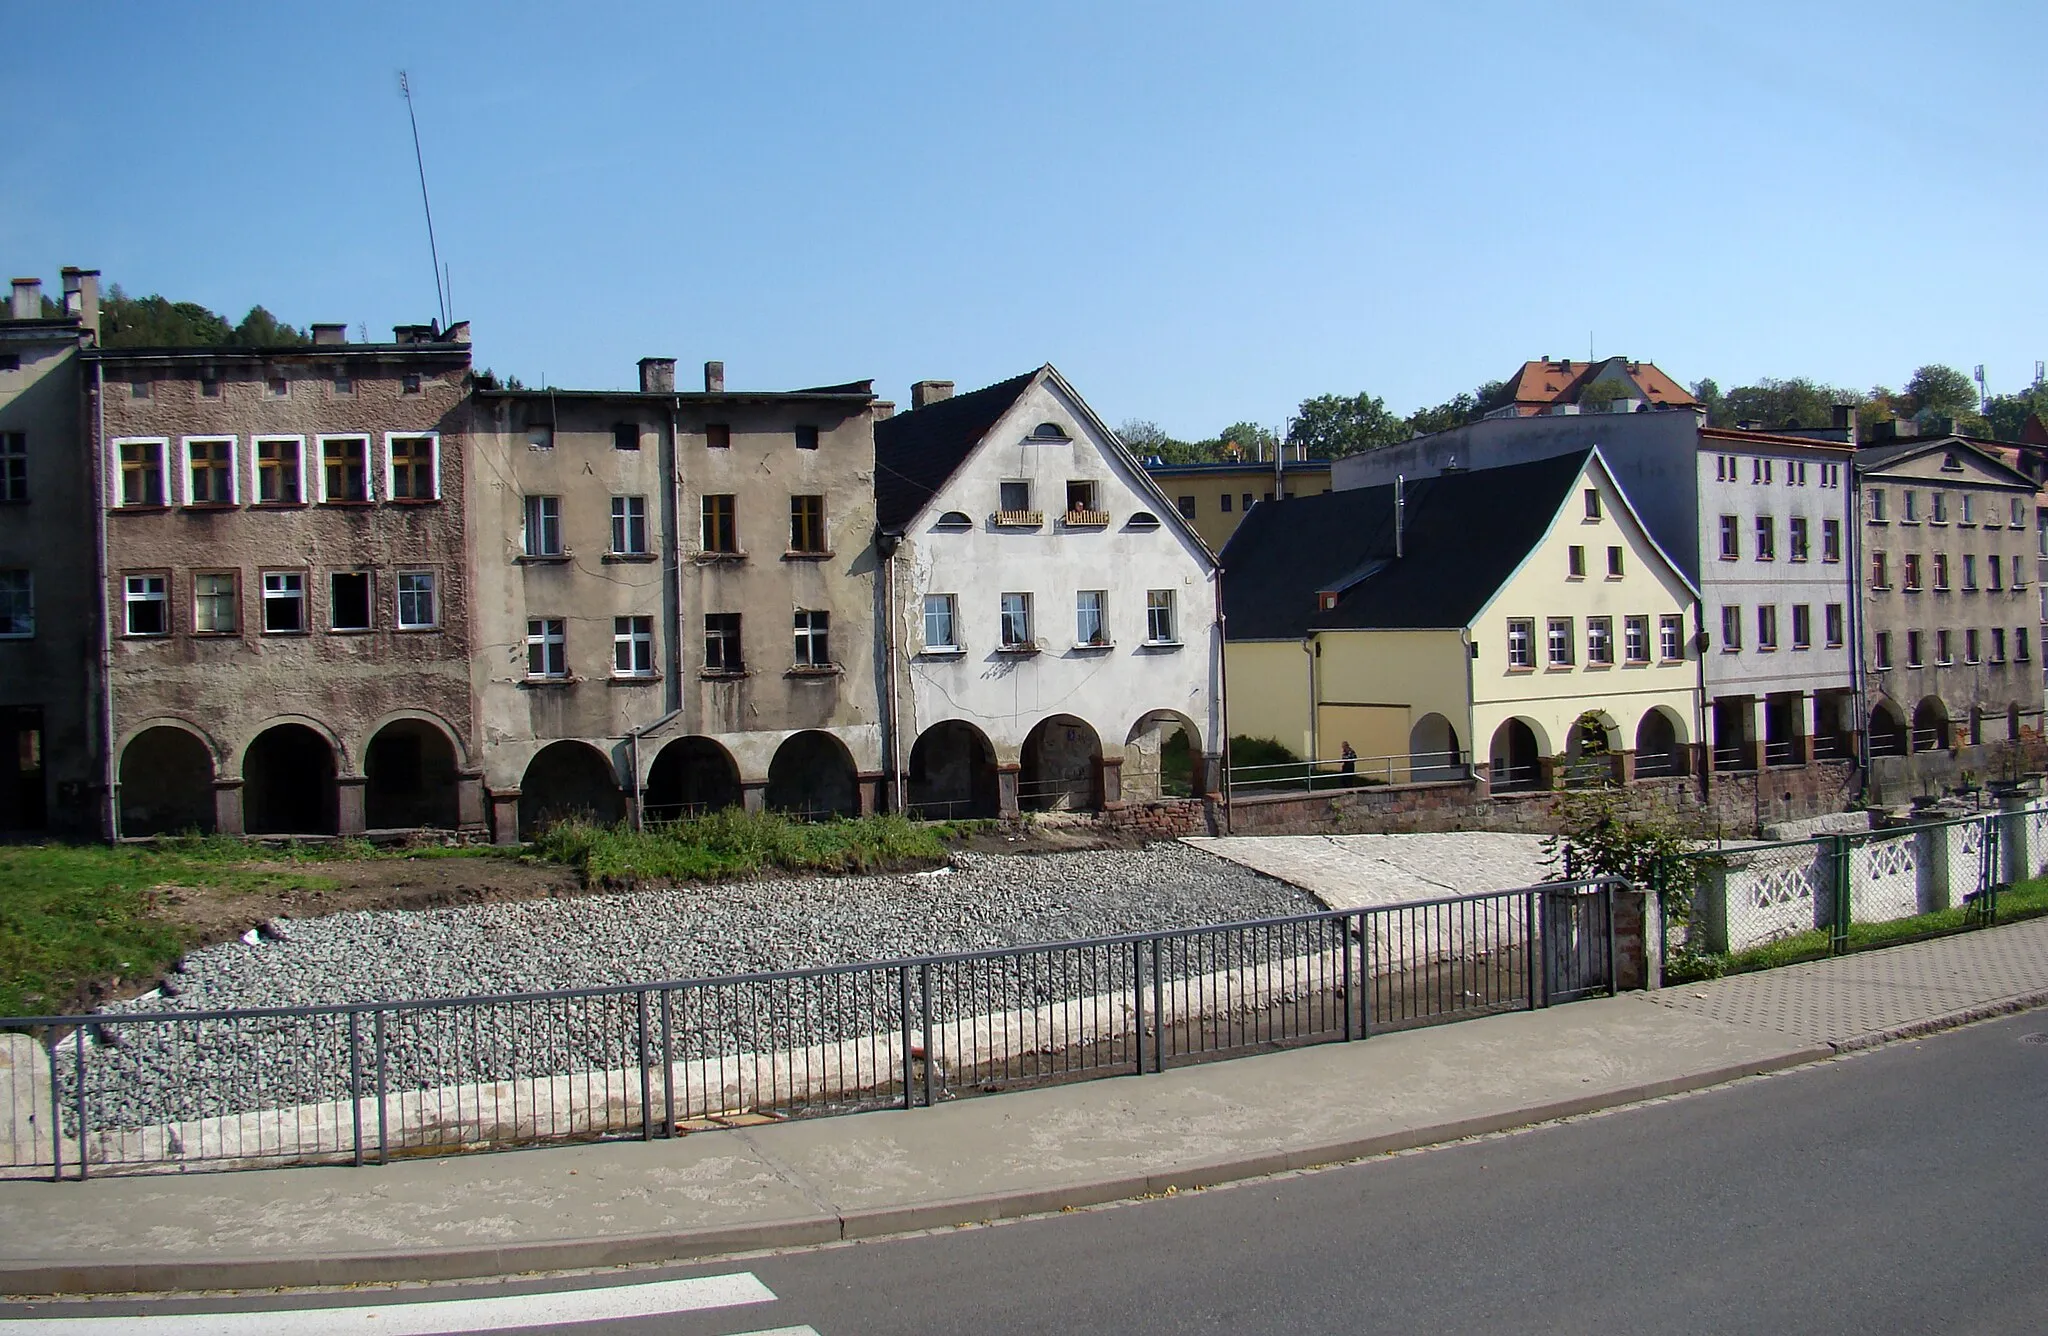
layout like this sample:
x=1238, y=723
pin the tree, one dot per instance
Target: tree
x=1251, y=440
x=2007, y=414
x=1942, y=391
x=1333, y=425
x=1148, y=440
x=157, y=322
x=261, y=329
x=1453, y=412
x=1775, y=403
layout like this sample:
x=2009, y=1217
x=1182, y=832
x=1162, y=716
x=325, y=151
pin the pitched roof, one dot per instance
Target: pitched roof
x=916, y=452
x=1539, y=384
x=1463, y=535
x=1877, y=458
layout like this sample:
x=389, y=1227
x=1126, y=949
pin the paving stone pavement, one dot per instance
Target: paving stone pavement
x=1851, y=1000
x=1361, y=871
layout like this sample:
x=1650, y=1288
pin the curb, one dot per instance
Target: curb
x=1948, y=1020
x=42, y=1279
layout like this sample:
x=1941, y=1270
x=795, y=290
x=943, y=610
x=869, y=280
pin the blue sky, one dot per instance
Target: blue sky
x=1200, y=212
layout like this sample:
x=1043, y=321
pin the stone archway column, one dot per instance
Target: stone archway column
x=1006, y=789
x=350, y=790
x=504, y=816
x=1112, y=784
x=754, y=795
x=870, y=785
x=1482, y=779
x=469, y=800
x=227, y=807
x=1625, y=767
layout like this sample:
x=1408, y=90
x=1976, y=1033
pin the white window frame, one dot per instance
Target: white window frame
x=1670, y=635
x=1100, y=612
x=948, y=608
x=234, y=579
x=732, y=657
x=628, y=634
x=256, y=444
x=1015, y=623
x=1600, y=642
x=399, y=595
x=1635, y=638
x=1158, y=601
x=117, y=476
x=533, y=512
x=26, y=622
x=812, y=645
x=1523, y=656
x=369, y=467
x=623, y=521
x=305, y=622
x=185, y=445
x=161, y=596
x=1560, y=642
x=1834, y=625
x=552, y=640
x=433, y=439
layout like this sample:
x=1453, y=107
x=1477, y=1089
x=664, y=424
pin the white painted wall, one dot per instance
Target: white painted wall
x=1006, y=695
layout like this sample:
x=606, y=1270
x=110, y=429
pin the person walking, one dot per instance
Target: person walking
x=1350, y=766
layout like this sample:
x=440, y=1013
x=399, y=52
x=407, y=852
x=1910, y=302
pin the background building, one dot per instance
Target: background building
x=1216, y=497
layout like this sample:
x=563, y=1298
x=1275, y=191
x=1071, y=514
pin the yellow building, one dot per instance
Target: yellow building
x=1217, y=497
x=1524, y=606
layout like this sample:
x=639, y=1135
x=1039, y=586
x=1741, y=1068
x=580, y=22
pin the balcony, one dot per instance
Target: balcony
x=1018, y=519
x=1085, y=519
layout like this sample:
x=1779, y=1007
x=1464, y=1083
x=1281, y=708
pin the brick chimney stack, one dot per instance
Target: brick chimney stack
x=928, y=392
x=657, y=375
x=714, y=378
x=28, y=299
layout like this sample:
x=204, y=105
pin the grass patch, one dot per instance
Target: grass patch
x=69, y=913
x=736, y=843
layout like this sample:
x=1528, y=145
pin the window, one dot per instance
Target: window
x=1731, y=627
x=348, y=601
x=1795, y=538
x=138, y=389
x=13, y=466
x=1941, y=571
x=2019, y=574
x=940, y=618
x=541, y=532
x=1909, y=507
x=343, y=382
x=1635, y=639
x=632, y=647
x=1089, y=628
x=415, y=467
x=1878, y=574
x=717, y=436
x=547, y=648
x=813, y=645
x=1575, y=562
x=1971, y=648
x=1048, y=431
x=2018, y=513
x=721, y=525
x=148, y=604
x=806, y=438
x=540, y=437
x=1767, y=626
x=1186, y=506
x=807, y=524
x=284, y=602
x=1912, y=572
x=1592, y=503
x=1561, y=640
x=1521, y=643
x=1766, y=538
x=722, y=643
x=1883, y=651
x=1246, y=500
x=1913, y=659
x=1998, y=644
x=1938, y=512
x=1016, y=628
x=17, y=605
x=1731, y=538
x=1997, y=569
x=409, y=383
x=953, y=521
x=1159, y=627
x=216, y=603
x=209, y=385
x=1832, y=623
x=1969, y=509
x=1942, y=653
x=1969, y=573
x=626, y=436
x=345, y=476
x=209, y=471
x=1802, y=626
x=1877, y=505
x=629, y=526
x=1013, y=497
x=1223, y=503
x=1080, y=496
x=2019, y=644
x=277, y=386
x=278, y=471
x=1614, y=563
x=1830, y=540
x=142, y=472
x=1670, y=637
x=1600, y=641
x=416, y=611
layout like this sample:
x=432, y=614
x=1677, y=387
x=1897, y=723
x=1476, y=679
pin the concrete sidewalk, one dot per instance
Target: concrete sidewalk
x=987, y=1158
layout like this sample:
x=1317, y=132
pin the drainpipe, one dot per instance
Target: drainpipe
x=1222, y=711
x=110, y=816
x=1471, y=708
x=1859, y=684
x=1308, y=647
x=891, y=722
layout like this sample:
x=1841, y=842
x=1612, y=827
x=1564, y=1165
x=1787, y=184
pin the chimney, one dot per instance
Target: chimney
x=1400, y=509
x=82, y=297
x=714, y=378
x=28, y=299
x=884, y=409
x=1844, y=421
x=657, y=375
x=456, y=333
x=928, y=392
x=329, y=334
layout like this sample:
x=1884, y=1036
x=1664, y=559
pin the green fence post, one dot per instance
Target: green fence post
x=1841, y=868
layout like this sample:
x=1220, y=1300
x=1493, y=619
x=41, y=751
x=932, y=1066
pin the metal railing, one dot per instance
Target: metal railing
x=1330, y=774
x=1784, y=751
x=1075, y=793
x=366, y=1082
x=1738, y=758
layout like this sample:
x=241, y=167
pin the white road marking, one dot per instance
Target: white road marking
x=441, y=1317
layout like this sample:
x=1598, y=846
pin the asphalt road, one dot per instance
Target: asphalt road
x=1903, y=1190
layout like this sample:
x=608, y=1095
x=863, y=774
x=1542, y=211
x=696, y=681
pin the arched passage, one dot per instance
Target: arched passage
x=690, y=777
x=1433, y=751
x=166, y=783
x=1061, y=767
x=1930, y=725
x=1887, y=730
x=1515, y=760
x=288, y=783
x=412, y=773
x=567, y=781
x=1657, y=745
x=952, y=773
x=813, y=775
x=1589, y=750
x=1162, y=757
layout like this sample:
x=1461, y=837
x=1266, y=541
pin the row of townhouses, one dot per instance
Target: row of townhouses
x=1593, y=581
x=349, y=587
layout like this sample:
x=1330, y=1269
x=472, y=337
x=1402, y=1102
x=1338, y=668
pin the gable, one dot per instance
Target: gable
x=1951, y=463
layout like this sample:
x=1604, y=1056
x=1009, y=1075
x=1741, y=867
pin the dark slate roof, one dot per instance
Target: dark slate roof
x=1464, y=534
x=916, y=452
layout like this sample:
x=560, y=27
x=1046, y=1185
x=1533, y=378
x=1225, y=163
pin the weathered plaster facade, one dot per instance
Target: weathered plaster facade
x=1216, y=496
x=287, y=585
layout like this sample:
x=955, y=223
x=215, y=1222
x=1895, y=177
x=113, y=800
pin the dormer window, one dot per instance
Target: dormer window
x=1325, y=600
x=1951, y=464
x=953, y=521
x=1049, y=431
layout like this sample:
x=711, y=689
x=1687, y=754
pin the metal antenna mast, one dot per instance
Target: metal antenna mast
x=440, y=292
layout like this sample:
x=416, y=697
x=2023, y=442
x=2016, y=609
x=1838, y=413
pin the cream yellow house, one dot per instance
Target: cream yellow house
x=1525, y=607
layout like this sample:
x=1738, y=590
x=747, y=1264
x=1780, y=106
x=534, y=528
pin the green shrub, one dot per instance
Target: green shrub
x=736, y=843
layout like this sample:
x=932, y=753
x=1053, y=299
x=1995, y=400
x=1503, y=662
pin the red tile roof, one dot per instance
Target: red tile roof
x=1540, y=384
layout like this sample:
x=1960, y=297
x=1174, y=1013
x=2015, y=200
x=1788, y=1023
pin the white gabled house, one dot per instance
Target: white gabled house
x=1052, y=637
